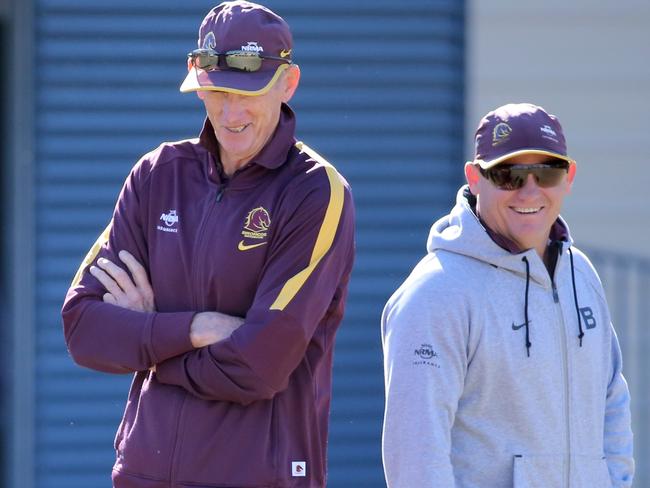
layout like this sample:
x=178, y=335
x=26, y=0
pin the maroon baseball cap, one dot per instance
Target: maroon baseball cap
x=518, y=128
x=244, y=27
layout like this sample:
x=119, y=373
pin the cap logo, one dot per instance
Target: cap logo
x=285, y=54
x=548, y=133
x=209, y=41
x=501, y=133
x=252, y=47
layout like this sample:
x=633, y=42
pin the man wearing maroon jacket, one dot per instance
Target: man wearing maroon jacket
x=221, y=280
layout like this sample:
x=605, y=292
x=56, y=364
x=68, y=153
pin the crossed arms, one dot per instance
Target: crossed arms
x=206, y=327
x=112, y=326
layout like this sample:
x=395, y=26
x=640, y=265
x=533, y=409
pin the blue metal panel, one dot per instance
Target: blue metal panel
x=381, y=97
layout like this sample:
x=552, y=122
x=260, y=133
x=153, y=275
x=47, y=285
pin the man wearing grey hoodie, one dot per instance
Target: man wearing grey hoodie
x=502, y=368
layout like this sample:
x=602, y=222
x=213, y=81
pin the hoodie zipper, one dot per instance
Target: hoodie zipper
x=565, y=371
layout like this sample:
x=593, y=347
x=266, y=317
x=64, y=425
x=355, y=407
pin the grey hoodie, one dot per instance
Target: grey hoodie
x=468, y=405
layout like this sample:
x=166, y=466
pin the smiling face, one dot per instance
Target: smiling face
x=243, y=124
x=524, y=216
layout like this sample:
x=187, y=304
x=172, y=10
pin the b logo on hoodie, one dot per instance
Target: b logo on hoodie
x=588, y=317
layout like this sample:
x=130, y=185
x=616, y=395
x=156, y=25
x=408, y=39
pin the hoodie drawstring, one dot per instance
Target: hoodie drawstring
x=575, y=299
x=528, y=343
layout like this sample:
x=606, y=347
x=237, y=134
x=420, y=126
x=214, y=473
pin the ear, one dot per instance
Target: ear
x=472, y=175
x=199, y=93
x=573, y=167
x=291, y=79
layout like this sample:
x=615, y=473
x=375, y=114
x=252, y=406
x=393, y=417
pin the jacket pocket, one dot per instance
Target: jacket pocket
x=539, y=472
x=550, y=472
x=591, y=471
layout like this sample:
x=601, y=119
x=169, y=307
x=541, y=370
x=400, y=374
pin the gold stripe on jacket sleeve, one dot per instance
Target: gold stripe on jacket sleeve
x=325, y=234
x=92, y=254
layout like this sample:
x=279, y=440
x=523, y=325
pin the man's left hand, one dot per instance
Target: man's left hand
x=120, y=289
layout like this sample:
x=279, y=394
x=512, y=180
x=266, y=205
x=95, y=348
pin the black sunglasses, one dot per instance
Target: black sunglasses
x=511, y=177
x=208, y=59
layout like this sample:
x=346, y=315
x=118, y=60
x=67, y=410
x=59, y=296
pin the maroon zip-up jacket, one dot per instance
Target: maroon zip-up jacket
x=273, y=244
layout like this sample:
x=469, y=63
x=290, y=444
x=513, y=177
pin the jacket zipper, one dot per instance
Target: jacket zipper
x=220, y=192
x=565, y=370
x=196, y=269
x=176, y=450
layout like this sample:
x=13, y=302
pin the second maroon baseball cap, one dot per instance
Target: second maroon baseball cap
x=518, y=128
x=243, y=27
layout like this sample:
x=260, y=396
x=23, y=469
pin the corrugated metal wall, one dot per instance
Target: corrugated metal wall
x=381, y=97
x=5, y=226
x=626, y=280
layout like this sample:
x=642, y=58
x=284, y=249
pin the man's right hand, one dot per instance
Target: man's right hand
x=121, y=290
x=210, y=327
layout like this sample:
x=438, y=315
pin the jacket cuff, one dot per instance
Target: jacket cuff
x=170, y=371
x=170, y=335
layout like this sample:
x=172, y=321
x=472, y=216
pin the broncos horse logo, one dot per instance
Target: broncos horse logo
x=501, y=133
x=257, y=220
x=209, y=41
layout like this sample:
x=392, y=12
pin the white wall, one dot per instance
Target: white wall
x=588, y=62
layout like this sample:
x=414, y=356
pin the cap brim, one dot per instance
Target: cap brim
x=238, y=82
x=500, y=159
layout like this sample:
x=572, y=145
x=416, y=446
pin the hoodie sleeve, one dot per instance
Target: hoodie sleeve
x=425, y=342
x=304, y=283
x=108, y=338
x=618, y=434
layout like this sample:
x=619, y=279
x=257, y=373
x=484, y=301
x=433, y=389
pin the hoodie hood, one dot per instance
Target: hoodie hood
x=461, y=232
